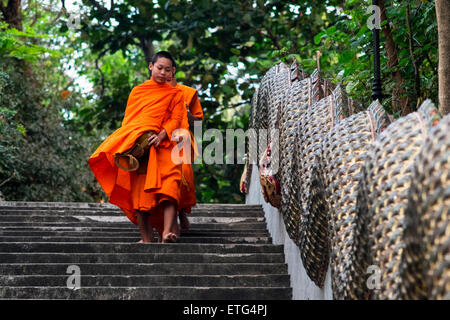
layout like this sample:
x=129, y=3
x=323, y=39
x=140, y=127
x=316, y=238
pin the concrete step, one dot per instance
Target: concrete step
x=87, y=218
x=213, y=226
x=269, y=280
x=107, y=206
x=129, y=233
x=148, y=293
x=113, y=212
x=144, y=268
x=74, y=258
x=226, y=255
x=135, y=238
x=70, y=247
x=126, y=231
x=57, y=211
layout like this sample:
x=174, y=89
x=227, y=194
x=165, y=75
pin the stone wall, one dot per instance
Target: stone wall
x=303, y=287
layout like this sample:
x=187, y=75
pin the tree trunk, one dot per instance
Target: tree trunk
x=400, y=100
x=11, y=14
x=13, y=17
x=149, y=50
x=443, y=22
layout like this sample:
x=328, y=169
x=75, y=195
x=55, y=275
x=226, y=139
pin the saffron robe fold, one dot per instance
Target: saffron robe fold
x=151, y=107
x=192, y=103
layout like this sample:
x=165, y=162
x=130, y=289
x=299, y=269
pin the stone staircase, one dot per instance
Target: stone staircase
x=227, y=254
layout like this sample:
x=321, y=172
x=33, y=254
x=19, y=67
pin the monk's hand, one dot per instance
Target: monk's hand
x=153, y=140
x=191, y=120
x=161, y=136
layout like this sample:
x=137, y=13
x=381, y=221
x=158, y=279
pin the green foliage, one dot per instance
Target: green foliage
x=347, y=46
x=51, y=122
x=222, y=48
x=42, y=155
x=39, y=156
x=11, y=132
x=113, y=80
x=14, y=43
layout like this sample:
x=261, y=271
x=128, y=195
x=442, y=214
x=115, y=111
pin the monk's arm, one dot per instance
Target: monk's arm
x=176, y=116
x=191, y=119
x=195, y=112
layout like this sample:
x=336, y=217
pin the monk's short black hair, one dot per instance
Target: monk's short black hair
x=163, y=54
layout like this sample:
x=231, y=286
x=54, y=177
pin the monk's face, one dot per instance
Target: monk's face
x=162, y=69
x=171, y=79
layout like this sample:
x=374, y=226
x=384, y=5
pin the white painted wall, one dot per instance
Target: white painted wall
x=303, y=287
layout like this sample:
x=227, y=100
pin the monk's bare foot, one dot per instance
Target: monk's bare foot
x=175, y=229
x=142, y=241
x=169, y=238
x=184, y=221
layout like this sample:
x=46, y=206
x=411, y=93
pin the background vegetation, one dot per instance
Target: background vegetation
x=64, y=86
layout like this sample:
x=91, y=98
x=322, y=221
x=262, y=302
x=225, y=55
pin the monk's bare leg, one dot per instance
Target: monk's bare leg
x=151, y=231
x=143, y=222
x=176, y=228
x=170, y=215
x=184, y=221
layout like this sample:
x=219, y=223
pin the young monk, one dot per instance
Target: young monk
x=193, y=113
x=148, y=199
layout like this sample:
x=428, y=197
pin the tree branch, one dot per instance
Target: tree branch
x=269, y=30
x=411, y=53
x=63, y=5
x=7, y=180
x=97, y=5
x=433, y=66
x=274, y=38
x=108, y=15
x=102, y=75
x=36, y=14
x=399, y=98
x=102, y=8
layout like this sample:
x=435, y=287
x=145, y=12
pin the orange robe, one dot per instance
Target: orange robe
x=151, y=107
x=192, y=103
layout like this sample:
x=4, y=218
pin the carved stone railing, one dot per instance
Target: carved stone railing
x=344, y=193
